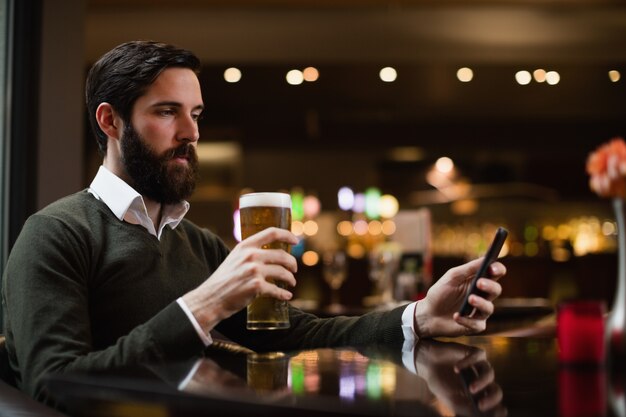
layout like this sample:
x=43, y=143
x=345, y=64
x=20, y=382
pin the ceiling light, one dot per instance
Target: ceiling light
x=310, y=74
x=614, y=76
x=523, y=77
x=465, y=74
x=553, y=77
x=444, y=165
x=539, y=75
x=295, y=77
x=388, y=74
x=232, y=75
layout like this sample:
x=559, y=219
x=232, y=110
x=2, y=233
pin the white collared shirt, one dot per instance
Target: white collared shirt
x=128, y=205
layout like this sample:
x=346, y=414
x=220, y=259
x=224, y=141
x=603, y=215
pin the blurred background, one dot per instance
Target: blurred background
x=406, y=131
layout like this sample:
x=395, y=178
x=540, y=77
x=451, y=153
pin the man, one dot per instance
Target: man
x=114, y=274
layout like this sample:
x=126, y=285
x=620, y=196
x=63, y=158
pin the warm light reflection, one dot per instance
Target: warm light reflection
x=232, y=75
x=559, y=240
x=310, y=74
x=375, y=228
x=310, y=228
x=560, y=254
x=389, y=227
x=465, y=74
x=553, y=77
x=523, y=77
x=387, y=379
x=388, y=74
x=608, y=228
x=563, y=231
x=405, y=154
x=614, y=76
x=464, y=207
x=539, y=75
x=517, y=249
x=295, y=77
x=504, y=251
x=297, y=228
x=344, y=228
x=356, y=250
x=310, y=258
x=548, y=232
x=444, y=165
x=361, y=227
x=388, y=206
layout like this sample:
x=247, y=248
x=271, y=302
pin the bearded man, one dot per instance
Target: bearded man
x=114, y=275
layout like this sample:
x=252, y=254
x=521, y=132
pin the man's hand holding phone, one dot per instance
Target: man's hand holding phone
x=439, y=313
x=490, y=257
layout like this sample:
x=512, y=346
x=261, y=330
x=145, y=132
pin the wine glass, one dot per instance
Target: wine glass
x=384, y=262
x=335, y=270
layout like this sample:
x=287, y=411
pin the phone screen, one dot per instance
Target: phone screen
x=490, y=257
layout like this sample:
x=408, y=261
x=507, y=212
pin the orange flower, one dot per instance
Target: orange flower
x=607, y=168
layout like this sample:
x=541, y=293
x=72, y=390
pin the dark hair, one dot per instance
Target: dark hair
x=123, y=74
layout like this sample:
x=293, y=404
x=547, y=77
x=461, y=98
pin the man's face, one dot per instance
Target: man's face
x=158, y=147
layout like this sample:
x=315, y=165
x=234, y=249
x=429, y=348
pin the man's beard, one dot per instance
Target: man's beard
x=154, y=176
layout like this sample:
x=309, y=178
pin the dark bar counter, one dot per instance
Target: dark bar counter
x=469, y=376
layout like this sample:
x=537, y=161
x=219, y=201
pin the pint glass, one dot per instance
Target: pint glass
x=267, y=371
x=257, y=212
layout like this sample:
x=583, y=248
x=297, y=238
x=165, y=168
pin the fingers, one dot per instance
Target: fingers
x=475, y=355
x=491, y=400
x=269, y=289
x=272, y=256
x=496, y=271
x=277, y=272
x=269, y=235
x=485, y=376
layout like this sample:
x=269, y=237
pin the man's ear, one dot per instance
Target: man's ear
x=109, y=121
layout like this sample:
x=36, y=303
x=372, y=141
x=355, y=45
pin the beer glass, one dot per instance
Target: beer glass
x=258, y=211
x=267, y=371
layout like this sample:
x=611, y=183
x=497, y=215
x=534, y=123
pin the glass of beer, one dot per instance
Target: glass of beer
x=258, y=211
x=267, y=371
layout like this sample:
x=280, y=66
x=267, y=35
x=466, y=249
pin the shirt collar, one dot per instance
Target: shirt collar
x=127, y=204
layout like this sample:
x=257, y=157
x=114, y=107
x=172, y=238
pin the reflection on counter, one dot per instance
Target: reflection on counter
x=312, y=372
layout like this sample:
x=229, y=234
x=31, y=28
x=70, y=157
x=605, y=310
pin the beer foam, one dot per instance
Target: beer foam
x=265, y=200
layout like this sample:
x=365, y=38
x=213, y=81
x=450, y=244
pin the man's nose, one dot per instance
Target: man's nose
x=188, y=129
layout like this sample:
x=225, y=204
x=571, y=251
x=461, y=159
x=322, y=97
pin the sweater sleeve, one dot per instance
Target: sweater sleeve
x=47, y=317
x=307, y=331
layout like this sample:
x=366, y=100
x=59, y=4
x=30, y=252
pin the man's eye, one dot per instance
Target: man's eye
x=197, y=117
x=166, y=112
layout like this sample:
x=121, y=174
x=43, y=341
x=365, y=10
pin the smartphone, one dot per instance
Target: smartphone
x=490, y=257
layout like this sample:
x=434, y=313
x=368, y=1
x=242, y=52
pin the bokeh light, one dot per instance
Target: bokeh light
x=232, y=75
x=465, y=74
x=388, y=74
x=523, y=77
x=295, y=77
x=345, y=198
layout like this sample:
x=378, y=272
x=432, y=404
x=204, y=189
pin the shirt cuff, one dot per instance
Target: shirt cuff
x=410, y=338
x=206, y=338
x=183, y=384
x=407, y=323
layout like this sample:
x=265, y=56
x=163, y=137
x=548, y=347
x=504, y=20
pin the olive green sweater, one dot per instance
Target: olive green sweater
x=83, y=290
